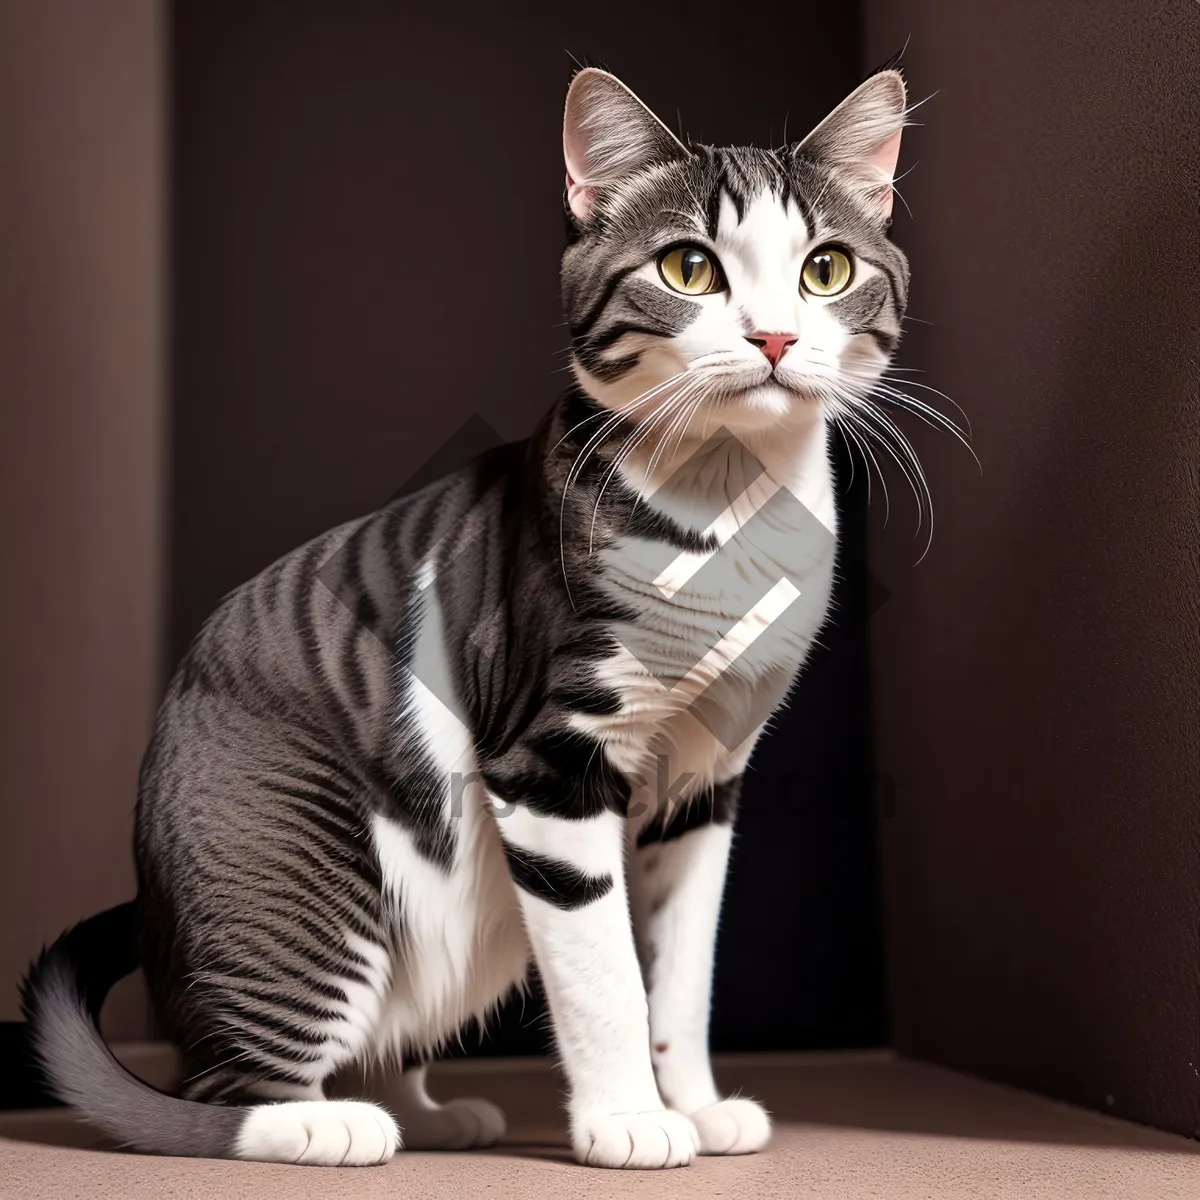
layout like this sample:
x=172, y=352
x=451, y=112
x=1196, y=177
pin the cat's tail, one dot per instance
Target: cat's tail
x=61, y=998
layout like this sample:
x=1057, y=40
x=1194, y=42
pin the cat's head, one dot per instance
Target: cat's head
x=731, y=286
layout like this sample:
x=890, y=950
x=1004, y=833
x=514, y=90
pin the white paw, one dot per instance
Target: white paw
x=641, y=1141
x=732, y=1127
x=455, y=1125
x=324, y=1133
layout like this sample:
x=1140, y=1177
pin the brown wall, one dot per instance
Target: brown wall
x=81, y=322
x=1037, y=675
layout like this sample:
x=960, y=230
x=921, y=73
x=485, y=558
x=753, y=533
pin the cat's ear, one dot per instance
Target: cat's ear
x=860, y=139
x=608, y=133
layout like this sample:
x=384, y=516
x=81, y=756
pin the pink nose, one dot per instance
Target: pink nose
x=773, y=345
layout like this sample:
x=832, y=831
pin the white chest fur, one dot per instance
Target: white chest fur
x=715, y=638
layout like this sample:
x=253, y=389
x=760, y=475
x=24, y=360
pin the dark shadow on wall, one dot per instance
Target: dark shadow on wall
x=1037, y=679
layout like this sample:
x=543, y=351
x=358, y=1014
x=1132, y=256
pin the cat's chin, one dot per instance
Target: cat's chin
x=765, y=407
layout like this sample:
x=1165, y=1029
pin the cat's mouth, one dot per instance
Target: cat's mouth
x=730, y=378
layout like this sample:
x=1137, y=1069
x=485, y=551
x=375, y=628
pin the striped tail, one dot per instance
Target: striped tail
x=61, y=998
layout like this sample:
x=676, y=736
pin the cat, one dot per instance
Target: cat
x=430, y=745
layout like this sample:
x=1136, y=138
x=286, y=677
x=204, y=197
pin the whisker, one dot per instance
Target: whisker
x=928, y=414
x=678, y=423
x=615, y=414
x=835, y=409
x=886, y=384
x=576, y=469
x=668, y=407
x=890, y=437
x=875, y=426
x=848, y=427
x=927, y=388
x=861, y=435
x=687, y=422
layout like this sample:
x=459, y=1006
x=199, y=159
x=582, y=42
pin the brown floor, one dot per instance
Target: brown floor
x=849, y=1126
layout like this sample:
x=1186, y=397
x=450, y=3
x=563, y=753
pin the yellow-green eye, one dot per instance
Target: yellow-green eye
x=827, y=271
x=689, y=270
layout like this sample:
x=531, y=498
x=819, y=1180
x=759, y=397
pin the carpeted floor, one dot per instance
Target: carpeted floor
x=849, y=1126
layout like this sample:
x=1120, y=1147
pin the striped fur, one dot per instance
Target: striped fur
x=489, y=721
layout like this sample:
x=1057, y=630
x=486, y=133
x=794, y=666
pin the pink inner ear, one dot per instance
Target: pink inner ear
x=884, y=161
x=580, y=197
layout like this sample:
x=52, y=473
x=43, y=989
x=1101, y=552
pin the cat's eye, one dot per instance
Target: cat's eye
x=827, y=271
x=690, y=270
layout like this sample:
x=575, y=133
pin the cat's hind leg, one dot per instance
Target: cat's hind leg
x=426, y=1124
x=269, y=960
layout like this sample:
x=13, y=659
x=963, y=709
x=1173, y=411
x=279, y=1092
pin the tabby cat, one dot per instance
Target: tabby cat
x=430, y=745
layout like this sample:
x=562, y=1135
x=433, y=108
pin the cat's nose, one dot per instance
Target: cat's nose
x=773, y=345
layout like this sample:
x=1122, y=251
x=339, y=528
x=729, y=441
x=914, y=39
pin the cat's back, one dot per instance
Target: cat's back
x=287, y=637
x=306, y=650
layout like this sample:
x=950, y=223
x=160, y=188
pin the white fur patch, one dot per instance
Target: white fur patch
x=638, y=1141
x=587, y=845
x=459, y=942
x=322, y=1133
x=736, y=1126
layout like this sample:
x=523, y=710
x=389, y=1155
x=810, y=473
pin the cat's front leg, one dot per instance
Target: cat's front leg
x=678, y=876
x=570, y=878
